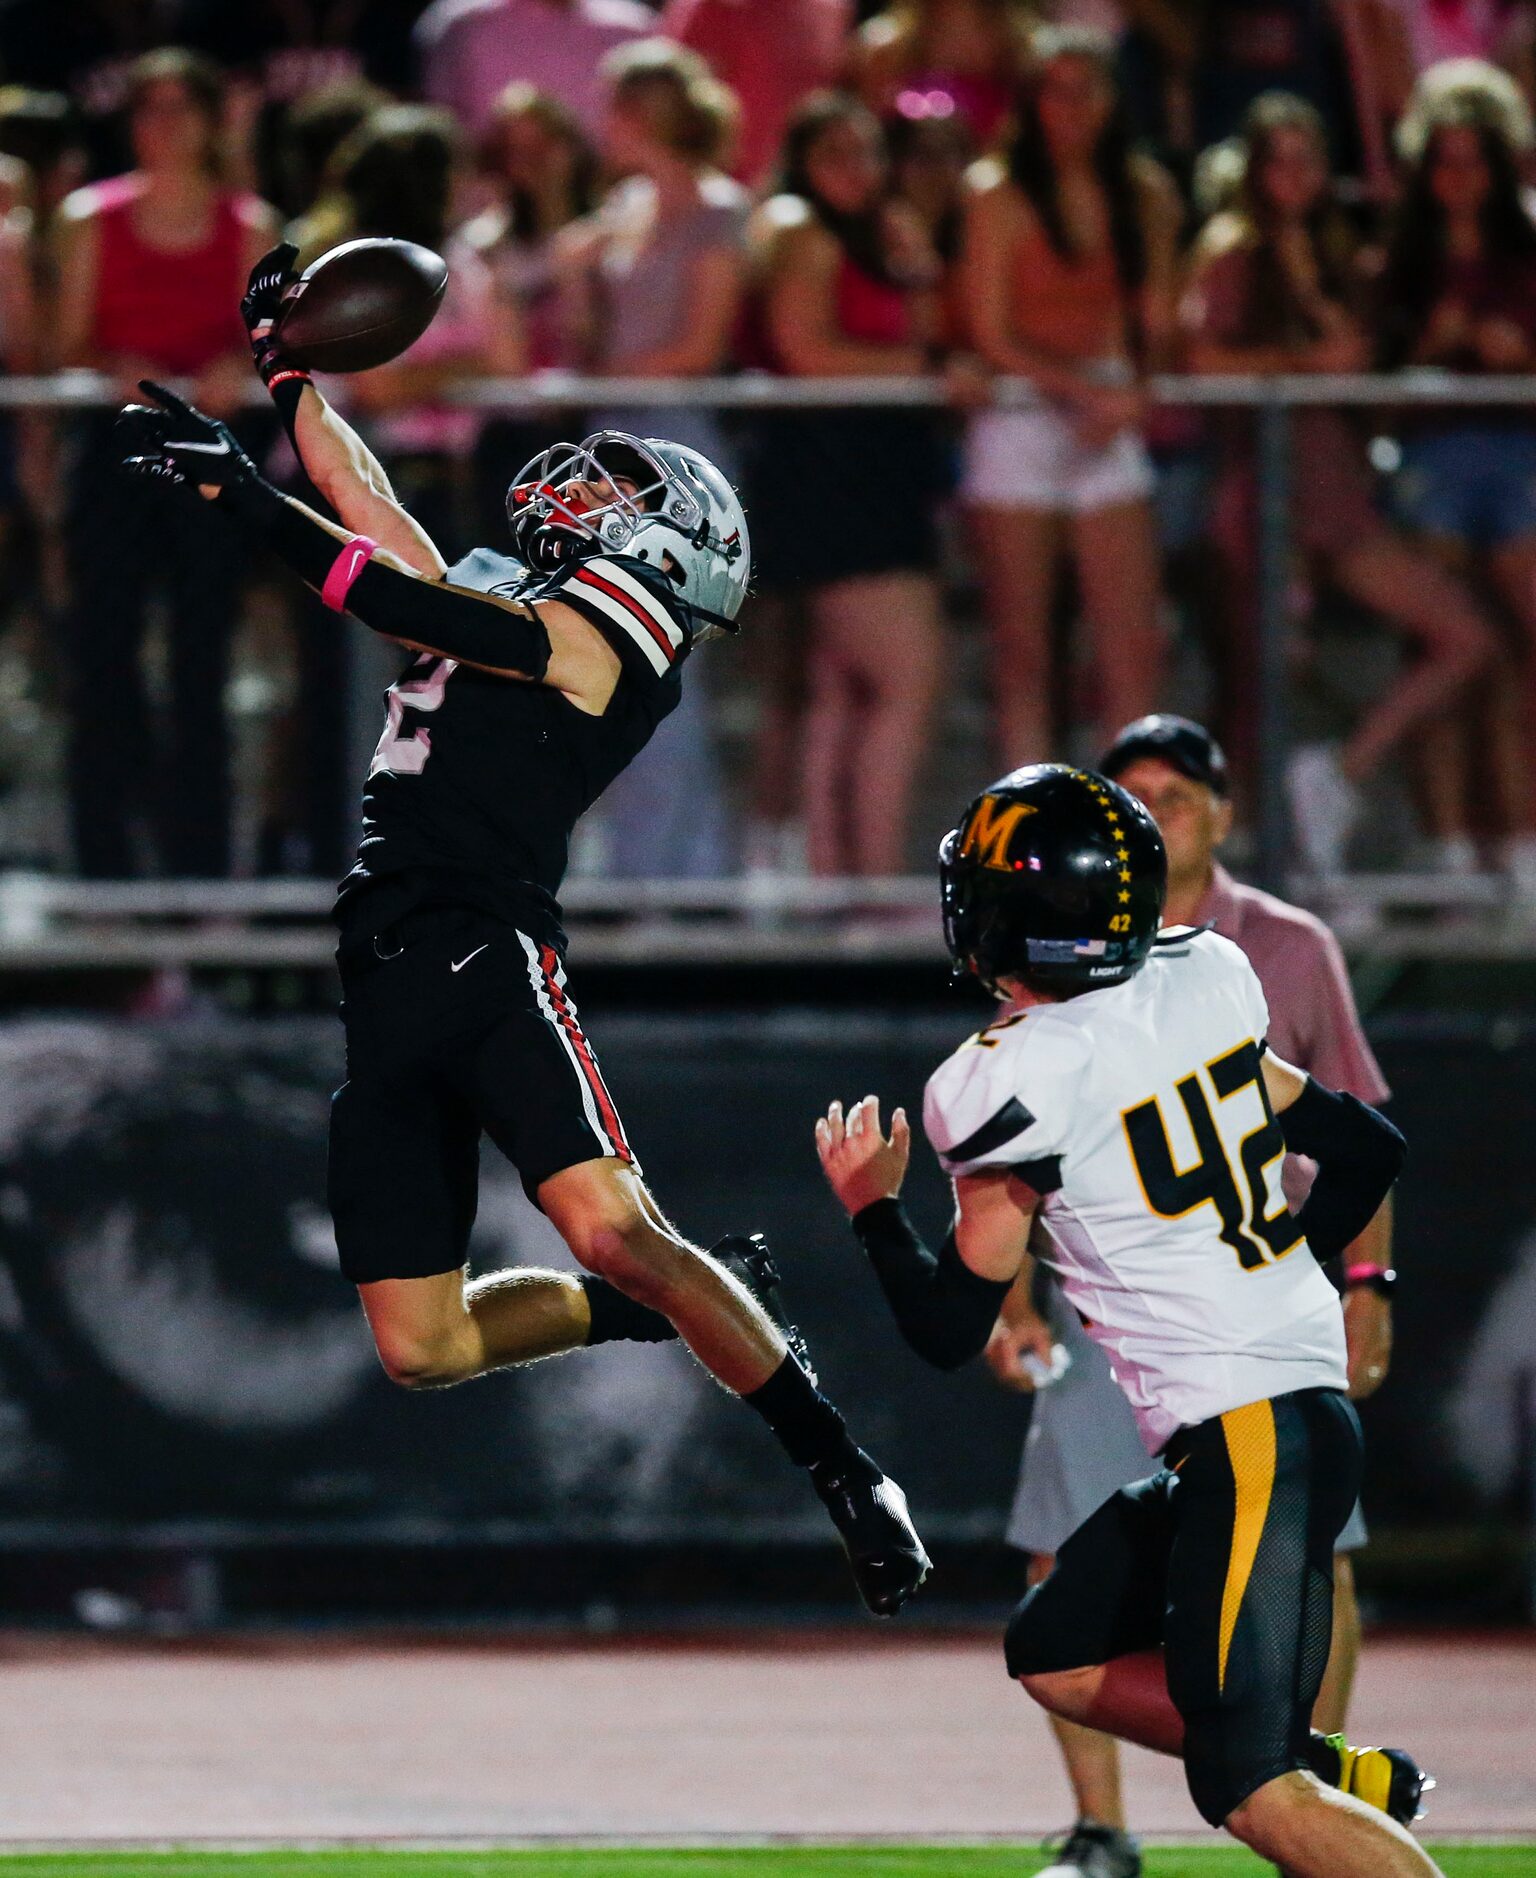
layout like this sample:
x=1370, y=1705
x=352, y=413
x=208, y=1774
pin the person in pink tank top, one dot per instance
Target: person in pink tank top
x=151, y=266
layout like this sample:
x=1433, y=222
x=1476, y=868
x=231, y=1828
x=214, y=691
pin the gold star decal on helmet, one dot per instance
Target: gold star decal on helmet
x=1124, y=896
x=1125, y=873
x=1122, y=854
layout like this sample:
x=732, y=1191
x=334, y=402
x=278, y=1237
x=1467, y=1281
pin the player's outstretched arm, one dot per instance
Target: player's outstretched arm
x=180, y=448
x=1359, y=1154
x=945, y=1303
x=335, y=459
x=356, y=485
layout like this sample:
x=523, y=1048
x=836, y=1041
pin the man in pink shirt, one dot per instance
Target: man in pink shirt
x=1082, y=1444
x=469, y=51
x=770, y=56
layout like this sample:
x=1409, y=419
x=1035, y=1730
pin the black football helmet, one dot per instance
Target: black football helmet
x=1056, y=876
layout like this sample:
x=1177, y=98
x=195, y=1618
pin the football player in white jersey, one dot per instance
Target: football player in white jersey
x=1123, y=1109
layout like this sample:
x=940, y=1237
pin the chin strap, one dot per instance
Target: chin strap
x=713, y=619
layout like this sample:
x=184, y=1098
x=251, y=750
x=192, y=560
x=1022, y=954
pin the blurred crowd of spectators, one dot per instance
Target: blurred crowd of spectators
x=1081, y=194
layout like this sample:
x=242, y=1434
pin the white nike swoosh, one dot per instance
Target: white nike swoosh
x=221, y=448
x=473, y=955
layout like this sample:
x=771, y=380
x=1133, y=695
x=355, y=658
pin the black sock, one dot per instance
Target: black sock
x=618, y=1319
x=1323, y=1758
x=809, y=1428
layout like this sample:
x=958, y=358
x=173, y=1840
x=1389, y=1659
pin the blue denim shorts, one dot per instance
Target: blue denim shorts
x=1475, y=483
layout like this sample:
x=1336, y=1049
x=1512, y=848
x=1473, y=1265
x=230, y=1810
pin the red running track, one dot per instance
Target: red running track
x=863, y=1733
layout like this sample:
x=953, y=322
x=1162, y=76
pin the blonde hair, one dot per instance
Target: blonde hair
x=1464, y=94
x=700, y=115
x=520, y=99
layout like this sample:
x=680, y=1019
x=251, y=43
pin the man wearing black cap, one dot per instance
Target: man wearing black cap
x=1083, y=1444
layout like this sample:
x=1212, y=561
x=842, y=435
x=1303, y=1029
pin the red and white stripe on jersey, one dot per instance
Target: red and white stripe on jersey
x=547, y=976
x=630, y=604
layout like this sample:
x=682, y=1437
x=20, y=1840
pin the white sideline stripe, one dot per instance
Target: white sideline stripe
x=552, y=1018
x=621, y=616
x=642, y=595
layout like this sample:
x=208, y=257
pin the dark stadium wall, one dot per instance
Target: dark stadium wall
x=175, y=1343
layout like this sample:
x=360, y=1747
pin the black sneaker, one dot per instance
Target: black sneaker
x=1092, y=1851
x=870, y=1514
x=747, y=1258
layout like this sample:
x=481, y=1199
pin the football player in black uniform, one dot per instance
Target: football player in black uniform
x=534, y=681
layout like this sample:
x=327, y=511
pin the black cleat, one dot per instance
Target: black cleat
x=747, y=1258
x=1389, y=1779
x=870, y=1513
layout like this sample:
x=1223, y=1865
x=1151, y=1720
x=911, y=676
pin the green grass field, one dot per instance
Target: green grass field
x=758, y=1862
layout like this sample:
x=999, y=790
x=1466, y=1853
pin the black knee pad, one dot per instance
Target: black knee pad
x=1225, y=1761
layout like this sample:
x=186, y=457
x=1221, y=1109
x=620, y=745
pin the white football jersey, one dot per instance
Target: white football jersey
x=1138, y=1114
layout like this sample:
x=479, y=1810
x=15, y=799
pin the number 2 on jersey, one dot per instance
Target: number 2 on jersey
x=401, y=752
x=1254, y=1234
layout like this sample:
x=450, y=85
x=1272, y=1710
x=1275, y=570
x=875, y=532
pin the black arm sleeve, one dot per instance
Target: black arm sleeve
x=455, y=622
x=942, y=1308
x=1359, y=1155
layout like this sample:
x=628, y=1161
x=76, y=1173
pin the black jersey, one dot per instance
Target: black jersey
x=478, y=781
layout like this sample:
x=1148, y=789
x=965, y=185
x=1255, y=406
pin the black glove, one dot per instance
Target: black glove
x=176, y=445
x=270, y=280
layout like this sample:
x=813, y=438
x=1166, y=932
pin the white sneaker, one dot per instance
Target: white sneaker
x=1325, y=806
x=1090, y=1851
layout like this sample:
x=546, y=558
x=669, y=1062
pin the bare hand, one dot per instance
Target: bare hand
x=860, y=1164
x=1448, y=330
x=967, y=382
x=1010, y=1343
x=1368, y=1340
x=1339, y=352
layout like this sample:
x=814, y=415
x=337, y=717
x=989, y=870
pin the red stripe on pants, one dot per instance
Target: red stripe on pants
x=550, y=962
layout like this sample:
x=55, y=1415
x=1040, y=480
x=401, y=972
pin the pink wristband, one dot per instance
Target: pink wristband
x=354, y=557
x=1363, y=1274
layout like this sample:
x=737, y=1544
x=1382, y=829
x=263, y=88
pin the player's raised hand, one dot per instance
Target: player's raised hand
x=270, y=279
x=861, y=1164
x=172, y=443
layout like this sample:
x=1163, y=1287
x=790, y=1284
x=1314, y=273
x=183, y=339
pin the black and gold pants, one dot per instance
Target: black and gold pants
x=1225, y=1559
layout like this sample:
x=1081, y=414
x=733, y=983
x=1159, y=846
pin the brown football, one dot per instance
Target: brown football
x=361, y=305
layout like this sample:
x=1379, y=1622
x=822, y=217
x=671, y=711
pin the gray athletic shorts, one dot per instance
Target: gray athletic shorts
x=1083, y=1446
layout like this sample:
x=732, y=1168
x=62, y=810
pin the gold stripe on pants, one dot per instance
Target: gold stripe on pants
x=1250, y=1437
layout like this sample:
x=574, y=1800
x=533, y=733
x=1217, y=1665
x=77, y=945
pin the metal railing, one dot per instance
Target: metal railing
x=54, y=927
x=53, y=924
x=557, y=390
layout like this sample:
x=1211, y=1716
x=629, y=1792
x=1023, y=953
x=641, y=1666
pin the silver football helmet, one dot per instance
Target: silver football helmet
x=682, y=516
